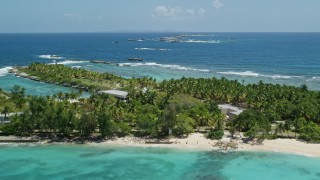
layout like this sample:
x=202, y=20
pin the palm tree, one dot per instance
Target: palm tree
x=287, y=127
x=5, y=111
x=280, y=128
x=169, y=118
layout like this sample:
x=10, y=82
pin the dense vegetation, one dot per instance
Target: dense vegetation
x=80, y=78
x=106, y=116
x=291, y=109
x=176, y=106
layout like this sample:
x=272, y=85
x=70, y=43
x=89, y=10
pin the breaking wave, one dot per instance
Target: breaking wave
x=245, y=73
x=167, y=66
x=69, y=62
x=281, y=76
x=50, y=57
x=152, y=49
x=255, y=74
x=141, y=49
x=315, y=78
x=77, y=67
x=202, y=41
x=5, y=70
x=200, y=35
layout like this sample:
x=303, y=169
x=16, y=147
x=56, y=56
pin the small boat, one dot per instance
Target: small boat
x=135, y=59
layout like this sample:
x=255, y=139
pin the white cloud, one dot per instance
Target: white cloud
x=190, y=11
x=217, y=4
x=177, y=13
x=75, y=17
x=166, y=11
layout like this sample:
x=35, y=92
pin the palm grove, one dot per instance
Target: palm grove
x=176, y=106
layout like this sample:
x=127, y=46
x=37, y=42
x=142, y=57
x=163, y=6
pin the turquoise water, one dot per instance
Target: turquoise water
x=34, y=87
x=97, y=162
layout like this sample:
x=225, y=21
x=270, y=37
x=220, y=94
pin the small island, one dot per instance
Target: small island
x=144, y=111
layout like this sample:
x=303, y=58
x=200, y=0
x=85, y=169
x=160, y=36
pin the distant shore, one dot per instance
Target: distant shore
x=197, y=141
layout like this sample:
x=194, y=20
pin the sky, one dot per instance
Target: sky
x=33, y=16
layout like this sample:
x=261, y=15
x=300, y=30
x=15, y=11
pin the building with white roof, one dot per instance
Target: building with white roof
x=122, y=95
x=231, y=111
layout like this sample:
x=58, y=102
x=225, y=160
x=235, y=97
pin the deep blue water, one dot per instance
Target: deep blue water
x=284, y=58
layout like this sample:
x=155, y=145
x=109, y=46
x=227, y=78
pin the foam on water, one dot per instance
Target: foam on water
x=152, y=49
x=202, y=41
x=244, y=73
x=255, y=74
x=168, y=66
x=48, y=56
x=70, y=62
x=315, y=78
x=77, y=67
x=4, y=71
x=200, y=35
x=281, y=76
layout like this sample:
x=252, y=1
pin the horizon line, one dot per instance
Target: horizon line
x=92, y=32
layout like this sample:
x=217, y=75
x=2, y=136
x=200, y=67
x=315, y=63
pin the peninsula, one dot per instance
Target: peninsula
x=182, y=112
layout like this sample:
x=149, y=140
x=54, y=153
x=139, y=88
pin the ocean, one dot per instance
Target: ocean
x=279, y=58
x=101, y=162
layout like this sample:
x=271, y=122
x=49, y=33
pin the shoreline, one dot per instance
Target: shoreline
x=15, y=71
x=197, y=142
x=287, y=146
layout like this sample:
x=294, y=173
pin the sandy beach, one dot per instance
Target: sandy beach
x=197, y=141
x=291, y=146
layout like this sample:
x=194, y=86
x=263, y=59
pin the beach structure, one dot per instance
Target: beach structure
x=230, y=111
x=121, y=95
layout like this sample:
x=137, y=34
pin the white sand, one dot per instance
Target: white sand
x=286, y=146
x=197, y=141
